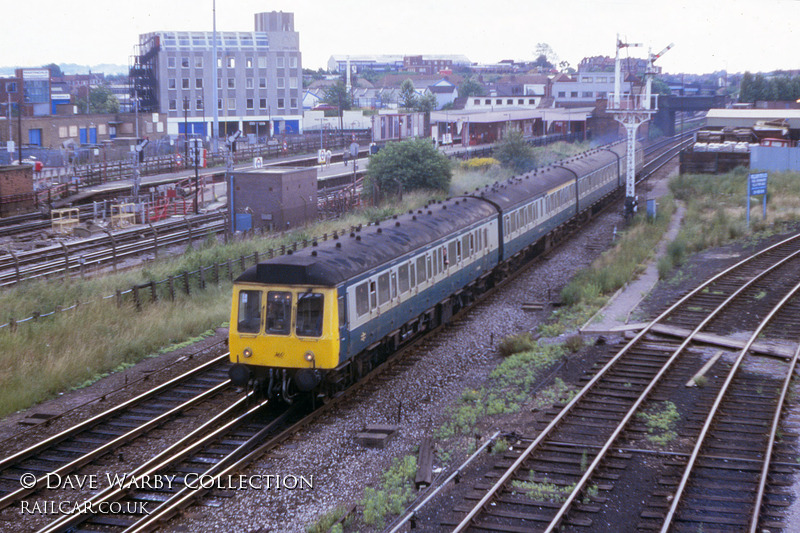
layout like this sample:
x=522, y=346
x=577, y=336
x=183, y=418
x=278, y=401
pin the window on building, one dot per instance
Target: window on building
x=11, y=87
x=476, y=101
x=488, y=101
x=573, y=94
x=184, y=83
x=173, y=105
x=510, y=101
x=249, y=83
x=280, y=103
x=248, y=62
x=562, y=94
x=262, y=103
x=587, y=94
x=219, y=83
x=262, y=61
x=586, y=79
x=520, y=101
x=249, y=103
x=293, y=83
x=281, y=83
x=499, y=101
x=281, y=62
x=219, y=104
x=602, y=94
x=262, y=83
x=531, y=101
x=170, y=62
x=231, y=83
x=198, y=62
x=231, y=61
x=171, y=83
x=219, y=62
x=293, y=62
x=199, y=104
x=231, y=104
x=185, y=62
x=294, y=103
x=62, y=132
x=198, y=83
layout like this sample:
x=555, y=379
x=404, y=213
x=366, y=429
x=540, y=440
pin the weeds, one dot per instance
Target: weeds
x=395, y=492
x=661, y=423
x=324, y=523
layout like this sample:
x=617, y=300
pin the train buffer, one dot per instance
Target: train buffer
x=376, y=435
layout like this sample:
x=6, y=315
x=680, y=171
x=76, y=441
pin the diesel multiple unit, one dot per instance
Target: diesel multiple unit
x=320, y=318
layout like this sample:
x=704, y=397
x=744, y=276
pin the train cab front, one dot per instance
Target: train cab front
x=283, y=338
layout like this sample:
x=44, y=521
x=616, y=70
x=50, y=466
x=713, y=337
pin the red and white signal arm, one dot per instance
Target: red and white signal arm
x=258, y=162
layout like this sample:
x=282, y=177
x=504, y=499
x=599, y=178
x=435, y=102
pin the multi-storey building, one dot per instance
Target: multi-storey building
x=258, y=76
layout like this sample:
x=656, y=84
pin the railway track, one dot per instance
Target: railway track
x=27, y=471
x=105, y=249
x=575, y=462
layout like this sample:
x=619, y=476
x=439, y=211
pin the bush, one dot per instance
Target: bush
x=512, y=344
x=514, y=153
x=408, y=165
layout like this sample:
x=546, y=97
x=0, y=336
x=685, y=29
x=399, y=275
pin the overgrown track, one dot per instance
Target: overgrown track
x=576, y=460
x=73, y=448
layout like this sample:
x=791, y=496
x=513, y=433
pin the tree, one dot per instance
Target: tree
x=544, y=49
x=55, y=70
x=659, y=86
x=407, y=165
x=514, y=153
x=337, y=95
x=408, y=96
x=425, y=103
x=100, y=100
x=471, y=87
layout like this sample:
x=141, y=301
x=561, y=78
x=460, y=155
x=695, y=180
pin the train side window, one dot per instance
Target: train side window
x=412, y=280
x=486, y=237
x=430, y=270
x=465, y=247
x=279, y=312
x=249, y=315
x=309, y=314
x=480, y=239
x=422, y=274
x=402, y=274
x=393, y=284
x=373, y=295
x=471, y=248
x=453, y=252
x=362, y=299
x=383, y=288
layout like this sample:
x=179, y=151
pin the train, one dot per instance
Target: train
x=316, y=320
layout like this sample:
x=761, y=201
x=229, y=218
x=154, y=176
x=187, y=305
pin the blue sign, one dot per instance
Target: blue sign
x=758, y=183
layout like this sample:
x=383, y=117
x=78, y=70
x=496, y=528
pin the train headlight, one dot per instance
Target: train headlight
x=247, y=352
x=309, y=356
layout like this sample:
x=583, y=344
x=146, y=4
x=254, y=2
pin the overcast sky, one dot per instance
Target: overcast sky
x=709, y=35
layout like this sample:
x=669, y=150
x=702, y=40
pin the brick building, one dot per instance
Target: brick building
x=16, y=190
x=273, y=198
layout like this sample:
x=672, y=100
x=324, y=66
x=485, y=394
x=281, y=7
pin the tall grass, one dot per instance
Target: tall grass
x=622, y=263
x=70, y=349
x=716, y=208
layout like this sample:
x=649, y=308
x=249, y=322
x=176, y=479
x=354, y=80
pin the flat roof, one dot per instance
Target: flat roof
x=489, y=117
x=749, y=117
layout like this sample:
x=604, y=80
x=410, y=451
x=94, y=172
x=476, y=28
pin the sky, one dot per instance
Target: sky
x=709, y=35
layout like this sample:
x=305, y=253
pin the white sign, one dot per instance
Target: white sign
x=10, y=146
x=258, y=162
x=320, y=156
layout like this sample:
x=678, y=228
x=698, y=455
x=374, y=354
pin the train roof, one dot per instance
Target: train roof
x=329, y=263
x=521, y=189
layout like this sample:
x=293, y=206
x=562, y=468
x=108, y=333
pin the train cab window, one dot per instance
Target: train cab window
x=383, y=288
x=421, y=272
x=362, y=299
x=279, y=312
x=249, y=315
x=402, y=274
x=309, y=314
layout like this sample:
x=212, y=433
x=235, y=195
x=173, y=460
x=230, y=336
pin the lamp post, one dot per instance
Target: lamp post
x=186, y=129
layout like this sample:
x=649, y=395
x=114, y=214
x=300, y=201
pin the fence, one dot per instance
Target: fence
x=186, y=282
